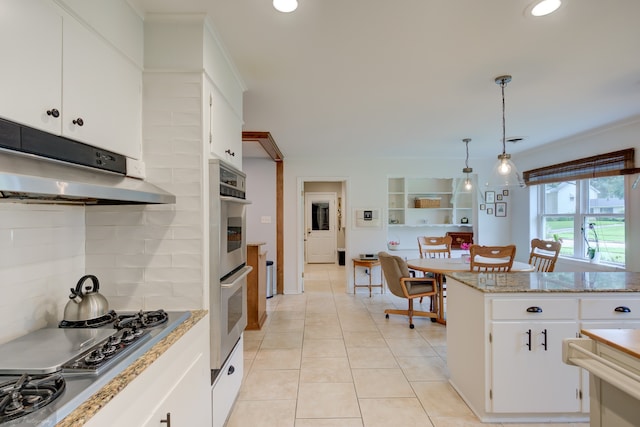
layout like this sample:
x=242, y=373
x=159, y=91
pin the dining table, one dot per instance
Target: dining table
x=440, y=266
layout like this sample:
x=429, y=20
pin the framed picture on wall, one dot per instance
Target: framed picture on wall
x=501, y=209
x=505, y=192
x=483, y=207
x=499, y=197
x=489, y=211
x=489, y=197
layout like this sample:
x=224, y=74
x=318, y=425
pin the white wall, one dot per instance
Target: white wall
x=261, y=190
x=367, y=184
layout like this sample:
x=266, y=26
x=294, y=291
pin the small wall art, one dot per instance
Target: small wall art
x=369, y=218
x=489, y=211
x=489, y=197
x=499, y=197
x=505, y=193
x=483, y=207
x=501, y=209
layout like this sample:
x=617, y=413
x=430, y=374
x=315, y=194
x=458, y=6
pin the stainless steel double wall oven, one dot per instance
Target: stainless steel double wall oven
x=228, y=253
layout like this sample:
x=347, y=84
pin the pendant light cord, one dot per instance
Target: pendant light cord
x=503, y=83
x=466, y=161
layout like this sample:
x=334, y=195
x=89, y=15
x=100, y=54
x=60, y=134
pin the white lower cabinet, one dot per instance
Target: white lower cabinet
x=227, y=386
x=526, y=345
x=526, y=375
x=175, y=387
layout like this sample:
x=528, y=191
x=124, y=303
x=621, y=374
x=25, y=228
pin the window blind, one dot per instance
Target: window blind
x=609, y=164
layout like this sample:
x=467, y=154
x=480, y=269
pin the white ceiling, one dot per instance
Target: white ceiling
x=409, y=78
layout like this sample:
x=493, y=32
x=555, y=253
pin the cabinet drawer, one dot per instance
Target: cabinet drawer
x=227, y=385
x=535, y=309
x=610, y=309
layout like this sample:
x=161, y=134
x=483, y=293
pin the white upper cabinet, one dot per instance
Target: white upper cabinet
x=225, y=128
x=102, y=93
x=31, y=45
x=61, y=77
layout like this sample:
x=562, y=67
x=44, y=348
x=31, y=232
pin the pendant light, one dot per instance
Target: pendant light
x=285, y=6
x=468, y=183
x=505, y=173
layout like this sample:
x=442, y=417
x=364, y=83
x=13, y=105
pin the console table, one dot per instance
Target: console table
x=368, y=264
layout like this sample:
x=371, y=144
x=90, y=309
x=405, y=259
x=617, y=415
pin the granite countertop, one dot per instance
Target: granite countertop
x=97, y=401
x=625, y=340
x=550, y=282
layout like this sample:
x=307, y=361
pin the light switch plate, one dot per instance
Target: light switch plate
x=265, y=220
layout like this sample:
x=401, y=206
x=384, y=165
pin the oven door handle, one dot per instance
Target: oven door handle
x=233, y=280
x=235, y=200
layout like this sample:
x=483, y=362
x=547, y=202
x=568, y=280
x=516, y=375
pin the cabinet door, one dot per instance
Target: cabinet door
x=530, y=378
x=31, y=45
x=225, y=129
x=180, y=401
x=103, y=89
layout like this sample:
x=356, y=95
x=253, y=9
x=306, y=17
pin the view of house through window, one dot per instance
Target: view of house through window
x=587, y=216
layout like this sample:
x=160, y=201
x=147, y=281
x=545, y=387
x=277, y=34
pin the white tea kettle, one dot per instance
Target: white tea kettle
x=86, y=304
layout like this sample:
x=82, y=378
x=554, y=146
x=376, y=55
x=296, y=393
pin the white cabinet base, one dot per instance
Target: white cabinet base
x=227, y=386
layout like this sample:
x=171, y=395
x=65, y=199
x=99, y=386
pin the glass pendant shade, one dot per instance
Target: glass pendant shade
x=285, y=6
x=505, y=173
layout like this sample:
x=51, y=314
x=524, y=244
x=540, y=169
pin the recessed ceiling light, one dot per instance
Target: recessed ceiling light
x=285, y=6
x=545, y=7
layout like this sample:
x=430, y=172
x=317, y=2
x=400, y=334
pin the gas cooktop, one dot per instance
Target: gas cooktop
x=72, y=364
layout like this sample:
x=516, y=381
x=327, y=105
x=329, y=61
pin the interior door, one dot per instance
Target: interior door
x=320, y=227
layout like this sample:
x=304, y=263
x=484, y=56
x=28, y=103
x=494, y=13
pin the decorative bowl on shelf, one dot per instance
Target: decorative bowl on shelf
x=393, y=245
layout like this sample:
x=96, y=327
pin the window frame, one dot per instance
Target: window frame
x=580, y=216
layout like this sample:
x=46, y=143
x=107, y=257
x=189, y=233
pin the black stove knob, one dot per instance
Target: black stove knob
x=109, y=350
x=113, y=340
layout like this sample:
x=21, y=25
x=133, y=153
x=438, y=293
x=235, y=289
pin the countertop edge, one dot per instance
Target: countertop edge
x=100, y=399
x=518, y=283
x=624, y=340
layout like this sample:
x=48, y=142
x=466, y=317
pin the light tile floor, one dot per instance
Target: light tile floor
x=327, y=358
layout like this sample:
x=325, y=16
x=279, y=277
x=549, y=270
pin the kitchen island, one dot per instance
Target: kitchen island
x=505, y=333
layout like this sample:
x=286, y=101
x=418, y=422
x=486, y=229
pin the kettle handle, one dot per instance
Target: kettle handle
x=94, y=280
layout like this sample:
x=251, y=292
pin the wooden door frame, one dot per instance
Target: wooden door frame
x=269, y=145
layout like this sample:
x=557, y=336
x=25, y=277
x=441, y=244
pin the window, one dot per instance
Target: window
x=585, y=213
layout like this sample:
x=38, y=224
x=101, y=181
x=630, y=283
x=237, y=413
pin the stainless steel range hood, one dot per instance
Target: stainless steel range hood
x=39, y=167
x=37, y=180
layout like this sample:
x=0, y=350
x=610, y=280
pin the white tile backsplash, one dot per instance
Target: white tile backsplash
x=42, y=257
x=157, y=251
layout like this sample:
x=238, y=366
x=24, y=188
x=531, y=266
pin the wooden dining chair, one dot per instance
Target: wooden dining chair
x=492, y=258
x=544, y=254
x=401, y=284
x=435, y=247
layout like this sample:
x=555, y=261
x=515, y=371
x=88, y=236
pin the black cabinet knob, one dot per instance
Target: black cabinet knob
x=231, y=370
x=78, y=121
x=622, y=309
x=53, y=113
x=534, y=310
x=167, y=420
